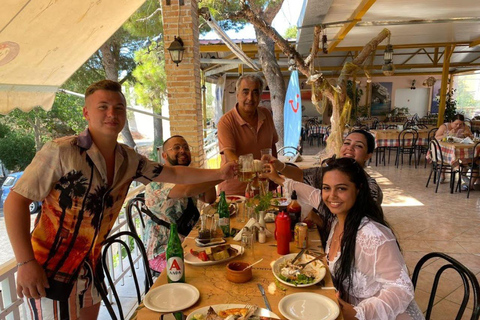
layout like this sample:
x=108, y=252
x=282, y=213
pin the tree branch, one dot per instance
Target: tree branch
x=317, y=32
x=150, y=16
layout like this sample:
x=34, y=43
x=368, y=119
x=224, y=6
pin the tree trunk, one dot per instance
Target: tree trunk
x=157, y=133
x=110, y=53
x=273, y=75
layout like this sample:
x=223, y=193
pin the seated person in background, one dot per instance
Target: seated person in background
x=172, y=203
x=359, y=145
x=456, y=128
x=363, y=254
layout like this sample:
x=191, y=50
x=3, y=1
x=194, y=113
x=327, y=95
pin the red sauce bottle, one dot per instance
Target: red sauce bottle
x=294, y=210
x=282, y=233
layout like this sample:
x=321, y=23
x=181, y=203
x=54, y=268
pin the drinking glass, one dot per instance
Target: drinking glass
x=248, y=241
x=266, y=151
x=245, y=167
x=242, y=212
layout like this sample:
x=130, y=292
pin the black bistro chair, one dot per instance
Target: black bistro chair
x=469, y=169
x=468, y=279
x=424, y=149
x=125, y=245
x=407, y=144
x=439, y=166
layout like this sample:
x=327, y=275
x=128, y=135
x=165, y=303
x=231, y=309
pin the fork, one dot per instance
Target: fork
x=303, y=265
x=251, y=308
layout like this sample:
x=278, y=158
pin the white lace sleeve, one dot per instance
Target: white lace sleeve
x=381, y=280
x=305, y=193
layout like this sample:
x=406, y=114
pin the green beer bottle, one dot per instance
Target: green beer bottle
x=224, y=215
x=174, y=255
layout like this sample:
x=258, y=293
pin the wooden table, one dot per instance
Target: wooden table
x=453, y=152
x=216, y=289
x=308, y=161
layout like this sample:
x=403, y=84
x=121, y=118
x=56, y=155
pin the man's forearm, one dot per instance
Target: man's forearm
x=191, y=190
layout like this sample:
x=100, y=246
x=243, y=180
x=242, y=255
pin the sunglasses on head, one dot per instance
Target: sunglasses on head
x=341, y=162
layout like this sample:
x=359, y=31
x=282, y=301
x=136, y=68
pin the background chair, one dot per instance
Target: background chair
x=439, y=166
x=407, y=144
x=469, y=169
x=424, y=149
x=468, y=278
x=129, y=243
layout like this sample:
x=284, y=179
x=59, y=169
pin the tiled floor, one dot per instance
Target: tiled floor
x=425, y=221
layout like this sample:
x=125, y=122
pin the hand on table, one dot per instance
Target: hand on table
x=31, y=281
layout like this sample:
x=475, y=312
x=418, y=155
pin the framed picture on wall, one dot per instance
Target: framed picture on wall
x=435, y=96
x=381, y=98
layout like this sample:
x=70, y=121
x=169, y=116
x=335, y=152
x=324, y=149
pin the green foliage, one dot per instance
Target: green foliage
x=17, y=150
x=151, y=79
x=450, y=105
x=264, y=202
x=291, y=32
x=220, y=10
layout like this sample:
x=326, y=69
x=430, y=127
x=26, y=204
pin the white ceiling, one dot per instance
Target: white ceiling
x=420, y=30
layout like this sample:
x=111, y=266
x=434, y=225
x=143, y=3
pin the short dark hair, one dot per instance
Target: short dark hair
x=175, y=136
x=458, y=116
x=250, y=77
x=108, y=85
x=369, y=137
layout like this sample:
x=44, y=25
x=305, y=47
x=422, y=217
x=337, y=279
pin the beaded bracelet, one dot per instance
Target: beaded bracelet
x=25, y=262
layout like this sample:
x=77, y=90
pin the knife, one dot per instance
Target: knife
x=262, y=291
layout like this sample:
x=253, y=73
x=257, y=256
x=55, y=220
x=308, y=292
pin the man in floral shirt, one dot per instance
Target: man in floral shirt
x=83, y=181
x=170, y=202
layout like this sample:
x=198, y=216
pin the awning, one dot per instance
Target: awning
x=43, y=42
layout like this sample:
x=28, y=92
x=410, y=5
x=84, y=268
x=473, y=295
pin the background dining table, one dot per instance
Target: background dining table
x=389, y=137
x=216, y=289
x=454, y=152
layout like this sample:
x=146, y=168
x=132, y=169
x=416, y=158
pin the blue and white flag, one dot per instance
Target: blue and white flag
x=292, y=112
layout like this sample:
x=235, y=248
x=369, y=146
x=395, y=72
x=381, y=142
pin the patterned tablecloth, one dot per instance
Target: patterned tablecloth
x=389, y=138
x=453, y=152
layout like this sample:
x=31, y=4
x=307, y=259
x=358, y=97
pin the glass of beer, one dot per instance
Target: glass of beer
x=245, y=167
x=266, y=151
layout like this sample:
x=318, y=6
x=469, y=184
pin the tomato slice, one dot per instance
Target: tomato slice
x=203, y=256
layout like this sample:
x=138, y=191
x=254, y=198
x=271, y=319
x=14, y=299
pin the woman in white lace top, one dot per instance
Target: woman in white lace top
x=363, y=255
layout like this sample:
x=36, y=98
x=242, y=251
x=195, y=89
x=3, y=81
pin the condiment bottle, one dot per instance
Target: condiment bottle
x=224, y=215
x=262, y=235
x=282, y=233
x=174, y=254
x=294, y=210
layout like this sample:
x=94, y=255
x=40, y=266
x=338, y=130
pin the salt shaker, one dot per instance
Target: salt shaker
x=262, y=236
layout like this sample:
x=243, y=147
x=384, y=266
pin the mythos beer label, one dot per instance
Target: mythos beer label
x=175, y=269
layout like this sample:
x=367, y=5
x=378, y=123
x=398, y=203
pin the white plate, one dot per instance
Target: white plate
x=165, y=297
x=219, y=307
x=234, y=198
x=280, y=202
x=316, y=265
x=307, y=306
x=194, y=261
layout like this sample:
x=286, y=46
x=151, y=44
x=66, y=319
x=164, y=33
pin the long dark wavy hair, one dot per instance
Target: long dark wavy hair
x=364, y=206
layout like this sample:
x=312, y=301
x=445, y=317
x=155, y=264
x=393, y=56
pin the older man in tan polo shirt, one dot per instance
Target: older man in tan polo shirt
x=247, y=128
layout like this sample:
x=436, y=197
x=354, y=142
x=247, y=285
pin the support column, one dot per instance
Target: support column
x=443, y=91
x=183, y=81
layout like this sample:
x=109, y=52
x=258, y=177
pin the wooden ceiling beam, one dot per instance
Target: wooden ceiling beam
x=356, y=16
x=475, y=43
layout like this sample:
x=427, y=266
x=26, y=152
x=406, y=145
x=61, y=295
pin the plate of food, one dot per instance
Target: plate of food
x=280, y=202
x=165, y=297
x=292, y=275
x=307, y=306
x=222, y=311
x=213, y=255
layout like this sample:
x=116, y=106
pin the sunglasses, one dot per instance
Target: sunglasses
x=340, y=162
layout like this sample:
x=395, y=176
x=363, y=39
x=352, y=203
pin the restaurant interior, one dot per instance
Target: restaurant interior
x=430, y=44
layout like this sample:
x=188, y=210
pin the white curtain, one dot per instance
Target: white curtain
x=219, y=94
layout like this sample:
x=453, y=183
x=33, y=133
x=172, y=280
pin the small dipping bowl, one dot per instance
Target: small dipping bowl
x=237, y=273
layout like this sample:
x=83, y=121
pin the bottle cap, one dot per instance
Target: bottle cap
x=294, y=195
